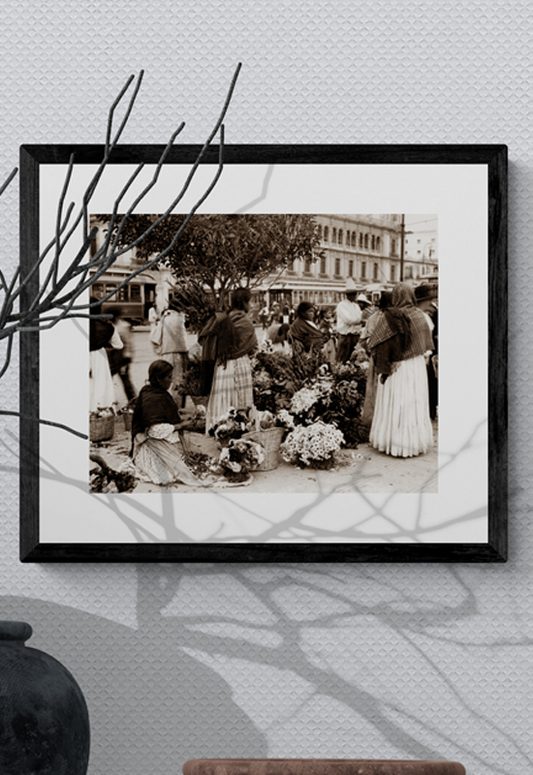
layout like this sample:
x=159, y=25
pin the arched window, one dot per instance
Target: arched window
x=373, y=242
x=334, y=235
x=354, y=239
x=378, y=244
x=360, y=240
x=347, y=237
x=340, y=236
x=366, y=241
x=320, y=231
x=323, y=265
x=337, y=266
x=326, y=233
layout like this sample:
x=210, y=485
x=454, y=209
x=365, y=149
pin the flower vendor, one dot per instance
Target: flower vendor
x=156, y=444
x=232, y=378
x=399, y=343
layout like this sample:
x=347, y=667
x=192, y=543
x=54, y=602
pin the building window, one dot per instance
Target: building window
x=334, y=235
x=319, y=231
x=378, y=244
x=326, y=233
x=393, y=273
x=363, y=270
x=340, y=236
x=347, y=237
x=337, y=266
x=366, y=241
x=376, y=270
x=354, y=239
x=307, y=265
x=373, y=242
x=393, y=246
x=323, y=265
x=360, y=240
x=350, y=268
x=290, y=266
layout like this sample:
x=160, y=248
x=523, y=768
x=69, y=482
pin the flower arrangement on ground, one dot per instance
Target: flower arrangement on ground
x=233, y=425
x=312, y=446
x=239, y=458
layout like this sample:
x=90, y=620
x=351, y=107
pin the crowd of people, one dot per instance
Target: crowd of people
x=400, y=338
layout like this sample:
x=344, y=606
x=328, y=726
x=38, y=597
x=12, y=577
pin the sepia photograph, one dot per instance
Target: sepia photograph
x=266, y=351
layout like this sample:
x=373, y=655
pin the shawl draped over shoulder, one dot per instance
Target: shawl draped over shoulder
x=226, y=336
x=245, y=338
x=401, y=332
x=154, y=405
x=307, y=334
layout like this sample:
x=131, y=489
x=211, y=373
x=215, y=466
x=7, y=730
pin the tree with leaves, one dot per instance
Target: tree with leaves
x=217, y=253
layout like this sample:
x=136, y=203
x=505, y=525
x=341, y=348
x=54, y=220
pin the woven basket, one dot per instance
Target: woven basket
x=101, y=428
x=270, y=439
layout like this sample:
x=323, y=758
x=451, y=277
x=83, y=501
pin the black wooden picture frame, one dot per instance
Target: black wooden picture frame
x=493, y=157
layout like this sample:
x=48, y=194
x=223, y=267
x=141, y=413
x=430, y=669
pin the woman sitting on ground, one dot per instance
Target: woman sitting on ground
x=304, y=333
x=156, y=444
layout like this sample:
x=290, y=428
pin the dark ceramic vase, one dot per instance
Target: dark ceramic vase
x=44, y=723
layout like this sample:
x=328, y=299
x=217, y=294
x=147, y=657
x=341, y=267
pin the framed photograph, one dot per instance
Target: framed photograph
x=264, y=354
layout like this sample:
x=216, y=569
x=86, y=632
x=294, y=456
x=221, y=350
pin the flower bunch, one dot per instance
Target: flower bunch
x=311, y=400
x=312, y=445
x=240, y=457
x=102, y=411
x=283, y=419
x=232, y=425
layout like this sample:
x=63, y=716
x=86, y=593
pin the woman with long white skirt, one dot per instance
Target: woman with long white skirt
x=400, y=344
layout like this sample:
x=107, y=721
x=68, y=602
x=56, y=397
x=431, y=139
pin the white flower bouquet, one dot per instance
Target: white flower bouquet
x=312, y=446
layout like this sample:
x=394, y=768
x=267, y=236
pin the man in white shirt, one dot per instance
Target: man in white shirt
x=348, y=324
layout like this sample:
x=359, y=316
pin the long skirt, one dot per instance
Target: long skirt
x=158, y=457
x=101, y=388
x=232, y=387
x=370, y=394
x=401, y=426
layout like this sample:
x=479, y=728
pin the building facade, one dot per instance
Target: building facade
x=364, y=248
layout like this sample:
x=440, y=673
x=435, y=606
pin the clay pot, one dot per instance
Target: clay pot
x=44, y=723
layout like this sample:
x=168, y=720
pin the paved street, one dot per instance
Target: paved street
x=363, y=469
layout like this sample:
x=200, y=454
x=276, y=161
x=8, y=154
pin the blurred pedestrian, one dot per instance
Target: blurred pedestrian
x=173, y=347
x=102, y=334
x=120, y=360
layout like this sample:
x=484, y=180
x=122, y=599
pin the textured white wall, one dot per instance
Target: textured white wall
x=379, y=661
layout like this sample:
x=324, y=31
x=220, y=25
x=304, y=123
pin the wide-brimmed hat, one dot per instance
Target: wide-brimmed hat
x=363, y=298
x=426, y=292
x=351, y=287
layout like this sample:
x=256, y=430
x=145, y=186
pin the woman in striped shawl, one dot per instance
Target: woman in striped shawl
x=400, y=344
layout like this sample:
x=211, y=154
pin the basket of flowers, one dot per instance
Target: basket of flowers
x=270, y=434
x=312, y=446
x=239, y=458
x=233, y=425
x=101, y=424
